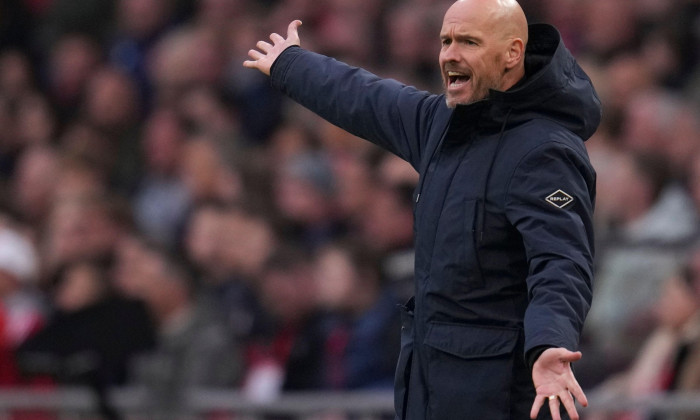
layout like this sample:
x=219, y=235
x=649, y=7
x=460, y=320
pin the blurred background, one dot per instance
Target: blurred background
x=169, y=223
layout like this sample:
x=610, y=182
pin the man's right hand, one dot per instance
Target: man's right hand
x=263, y=60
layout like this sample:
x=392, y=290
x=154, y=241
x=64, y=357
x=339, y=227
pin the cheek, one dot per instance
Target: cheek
x=441, y=64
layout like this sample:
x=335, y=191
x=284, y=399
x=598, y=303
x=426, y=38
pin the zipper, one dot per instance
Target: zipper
x=421, y=182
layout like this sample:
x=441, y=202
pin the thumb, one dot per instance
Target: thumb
x=571, y=356
x=293, y=32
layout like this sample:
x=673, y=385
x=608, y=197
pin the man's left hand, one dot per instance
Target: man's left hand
x=555, y=383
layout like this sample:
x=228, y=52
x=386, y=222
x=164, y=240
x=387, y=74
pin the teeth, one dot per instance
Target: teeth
x=454, y=73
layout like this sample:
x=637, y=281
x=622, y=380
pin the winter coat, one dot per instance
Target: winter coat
x=503, y=229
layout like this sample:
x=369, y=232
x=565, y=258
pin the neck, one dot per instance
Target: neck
x=513, y=77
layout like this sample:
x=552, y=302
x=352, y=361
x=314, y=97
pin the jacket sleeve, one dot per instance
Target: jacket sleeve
x=558, y=240
x=383, y=111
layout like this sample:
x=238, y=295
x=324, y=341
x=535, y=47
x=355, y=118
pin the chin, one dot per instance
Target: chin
x=452, y=102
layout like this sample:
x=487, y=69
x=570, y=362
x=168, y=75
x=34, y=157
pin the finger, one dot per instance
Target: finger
x=575, y=389
x=276, y=38
x=539, y=401
x=577, y=392
x=250, y=64
x=568, y=402
x=255, y=54
x=264, y=46
x=293, y=31
x=554, y=408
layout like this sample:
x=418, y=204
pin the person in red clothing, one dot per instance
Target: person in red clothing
x=21, y=312
x=289, y=357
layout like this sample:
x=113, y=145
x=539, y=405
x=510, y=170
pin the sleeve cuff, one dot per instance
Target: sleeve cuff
x=278, y=68
x=534, y=353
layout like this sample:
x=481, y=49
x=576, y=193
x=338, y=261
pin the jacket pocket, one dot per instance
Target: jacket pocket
x=454, y=267
x=403, y=367
x=470, y=371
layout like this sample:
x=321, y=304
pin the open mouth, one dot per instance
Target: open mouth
x=455, y=79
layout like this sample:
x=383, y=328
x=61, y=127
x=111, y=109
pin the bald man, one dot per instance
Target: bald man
x=503, y=207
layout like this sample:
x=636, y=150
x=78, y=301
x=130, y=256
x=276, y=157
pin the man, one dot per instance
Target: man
x=504, y=238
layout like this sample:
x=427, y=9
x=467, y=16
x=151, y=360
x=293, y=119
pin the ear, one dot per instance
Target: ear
x=515, y=53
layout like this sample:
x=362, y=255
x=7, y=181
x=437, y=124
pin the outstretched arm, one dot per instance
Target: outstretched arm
x=263, y=60
x=558, y=240
x=386, y=112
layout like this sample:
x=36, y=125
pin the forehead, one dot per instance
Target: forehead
x=469, y=16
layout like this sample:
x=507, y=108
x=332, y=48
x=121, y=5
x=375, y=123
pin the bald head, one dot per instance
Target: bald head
x=483, y=48
x=505, y=17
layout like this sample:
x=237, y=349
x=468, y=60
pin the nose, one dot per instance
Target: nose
x=449, y=53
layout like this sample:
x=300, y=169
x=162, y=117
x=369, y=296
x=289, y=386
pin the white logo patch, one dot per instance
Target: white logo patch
x=559, y=199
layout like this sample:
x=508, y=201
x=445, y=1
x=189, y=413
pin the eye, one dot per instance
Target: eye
x=446, y=41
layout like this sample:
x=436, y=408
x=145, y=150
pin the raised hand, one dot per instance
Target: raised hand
x=263, y=60
x=555, y=383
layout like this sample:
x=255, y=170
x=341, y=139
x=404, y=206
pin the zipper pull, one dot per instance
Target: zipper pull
x=417, y=197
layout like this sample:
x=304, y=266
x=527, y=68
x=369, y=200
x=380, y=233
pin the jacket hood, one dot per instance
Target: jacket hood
x=555, y=87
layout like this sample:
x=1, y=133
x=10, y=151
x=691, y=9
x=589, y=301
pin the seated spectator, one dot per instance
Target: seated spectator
x=16, y=74
x=111, y=105
x=291, y=357
x=685, y=370
x=647, y=243
x=72, y=60
x=205, y=173
x=161, y=200
x=304, y=192
x=93, y=335
x=36, y=122
x=193, y=349
x=139, y=25
x=388, y=224
x=669, y=359
x=128, y=261
x=363, y=337
x=229, y=246
x=83, y=225
x=33, y=183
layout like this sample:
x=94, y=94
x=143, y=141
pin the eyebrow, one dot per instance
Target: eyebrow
x=462, y=37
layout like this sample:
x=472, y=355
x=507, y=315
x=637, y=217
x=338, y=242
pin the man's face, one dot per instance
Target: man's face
x=472, y=55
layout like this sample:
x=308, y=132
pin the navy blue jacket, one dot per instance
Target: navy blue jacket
x=503, y=229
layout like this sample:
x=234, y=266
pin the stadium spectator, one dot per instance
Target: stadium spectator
x=161, y=201
x=290, y=358
x=72, y=61
x=668, y=359
x=84, y=341
x=647, y=242
x=84, y=225
x=16, y=74
x=304, y=192
x=139, y=26
x=387, y=222
x=193, y=347
x=22, y=311
x=229, y=247
x=362, y=339
x=205, y=174
x=33, y=184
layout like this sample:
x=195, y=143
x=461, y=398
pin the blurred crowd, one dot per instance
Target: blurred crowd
x=168, y=220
